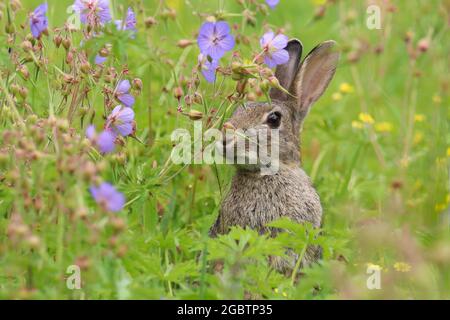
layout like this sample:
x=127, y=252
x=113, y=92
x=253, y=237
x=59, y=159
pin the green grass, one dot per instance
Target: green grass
x=384, y=185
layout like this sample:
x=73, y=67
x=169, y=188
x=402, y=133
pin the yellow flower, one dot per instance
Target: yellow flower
x=419, y=118
x=366, y=118
x=357, y=124
x=437, y=99
x=447, y=199
x=448, y=152
x=384, y=127
x=346, y=88
x=418, y=137
x=336, y=96
x=284, y=294
x=402, y=267
x=275, y=290
x=439, y=207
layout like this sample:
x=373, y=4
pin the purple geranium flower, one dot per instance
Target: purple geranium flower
x=104, y=141
x=272, y=3
x=123, y=95
x=108, y=197
x=121, y=121
x=274, y=52
x=214, y=39
x=38, y=20
x=130, y=22
x=93, y=11
x=99, y=60
x=208, y=67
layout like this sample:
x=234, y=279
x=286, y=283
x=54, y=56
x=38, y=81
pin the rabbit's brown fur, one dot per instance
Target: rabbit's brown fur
x=254, y=199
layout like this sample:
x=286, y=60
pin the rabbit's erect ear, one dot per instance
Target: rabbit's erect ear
x=287, y=72
x=315, y=74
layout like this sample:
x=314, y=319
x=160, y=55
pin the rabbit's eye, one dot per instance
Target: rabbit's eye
x=274, y=119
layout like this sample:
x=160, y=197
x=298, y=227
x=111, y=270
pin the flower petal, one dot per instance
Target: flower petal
x=90, y=132
x=105, y=141
x=206, y=29
x=123, y=87
x=124, y=129
x=127, y=99
x=99, y=60
x=126, y=114
x=222, y=29
x=266, y=38
x=280, y=41
x=227, y=43
x=276, y=58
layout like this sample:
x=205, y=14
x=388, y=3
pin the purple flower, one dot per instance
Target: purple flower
x=272, y=3
x=208, y=68
x=122, y=93
x=93, y=12
x=99, y=60
x=214, y=39
x=103, y=141
x=38, y=20
x=274, y=52
x=108, y=197
x=130, y=23
x=121, y=121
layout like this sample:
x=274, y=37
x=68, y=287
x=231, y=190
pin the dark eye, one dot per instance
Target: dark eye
x=274, y=119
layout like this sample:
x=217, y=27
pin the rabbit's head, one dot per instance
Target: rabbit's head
x=305, y=81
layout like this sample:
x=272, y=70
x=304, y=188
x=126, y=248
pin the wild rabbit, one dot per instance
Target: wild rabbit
x=254, y=199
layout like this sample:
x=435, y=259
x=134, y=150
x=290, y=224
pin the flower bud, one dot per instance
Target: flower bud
x=264, y=85
x=33, y=241
x=104, y=52
x=23, y=70
x=137, y=84
x=15, y=89
x=236, y=66
x=423, y=45
x=23, y=92
x=150, y=21
x=15, y=5
x=68, y=78
x=66, y=43
x=195, y=115
x=169, y=13
x=183, y=43
x=118, y=223
x=69, y=57
x=10, y=28
x=178, y=93
x=320, y=12
x=57, y=40
x=274, y=82
x=85, y=67
x=26, y=46
x=409, y=36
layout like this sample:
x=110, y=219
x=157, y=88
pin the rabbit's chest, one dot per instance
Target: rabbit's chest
x=256, y=202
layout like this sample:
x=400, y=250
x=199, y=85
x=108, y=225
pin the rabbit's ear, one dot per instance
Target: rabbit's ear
x=287, y=72
x=315, y=74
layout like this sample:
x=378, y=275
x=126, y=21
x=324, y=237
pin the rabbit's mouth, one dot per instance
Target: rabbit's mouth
x=248, y=152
